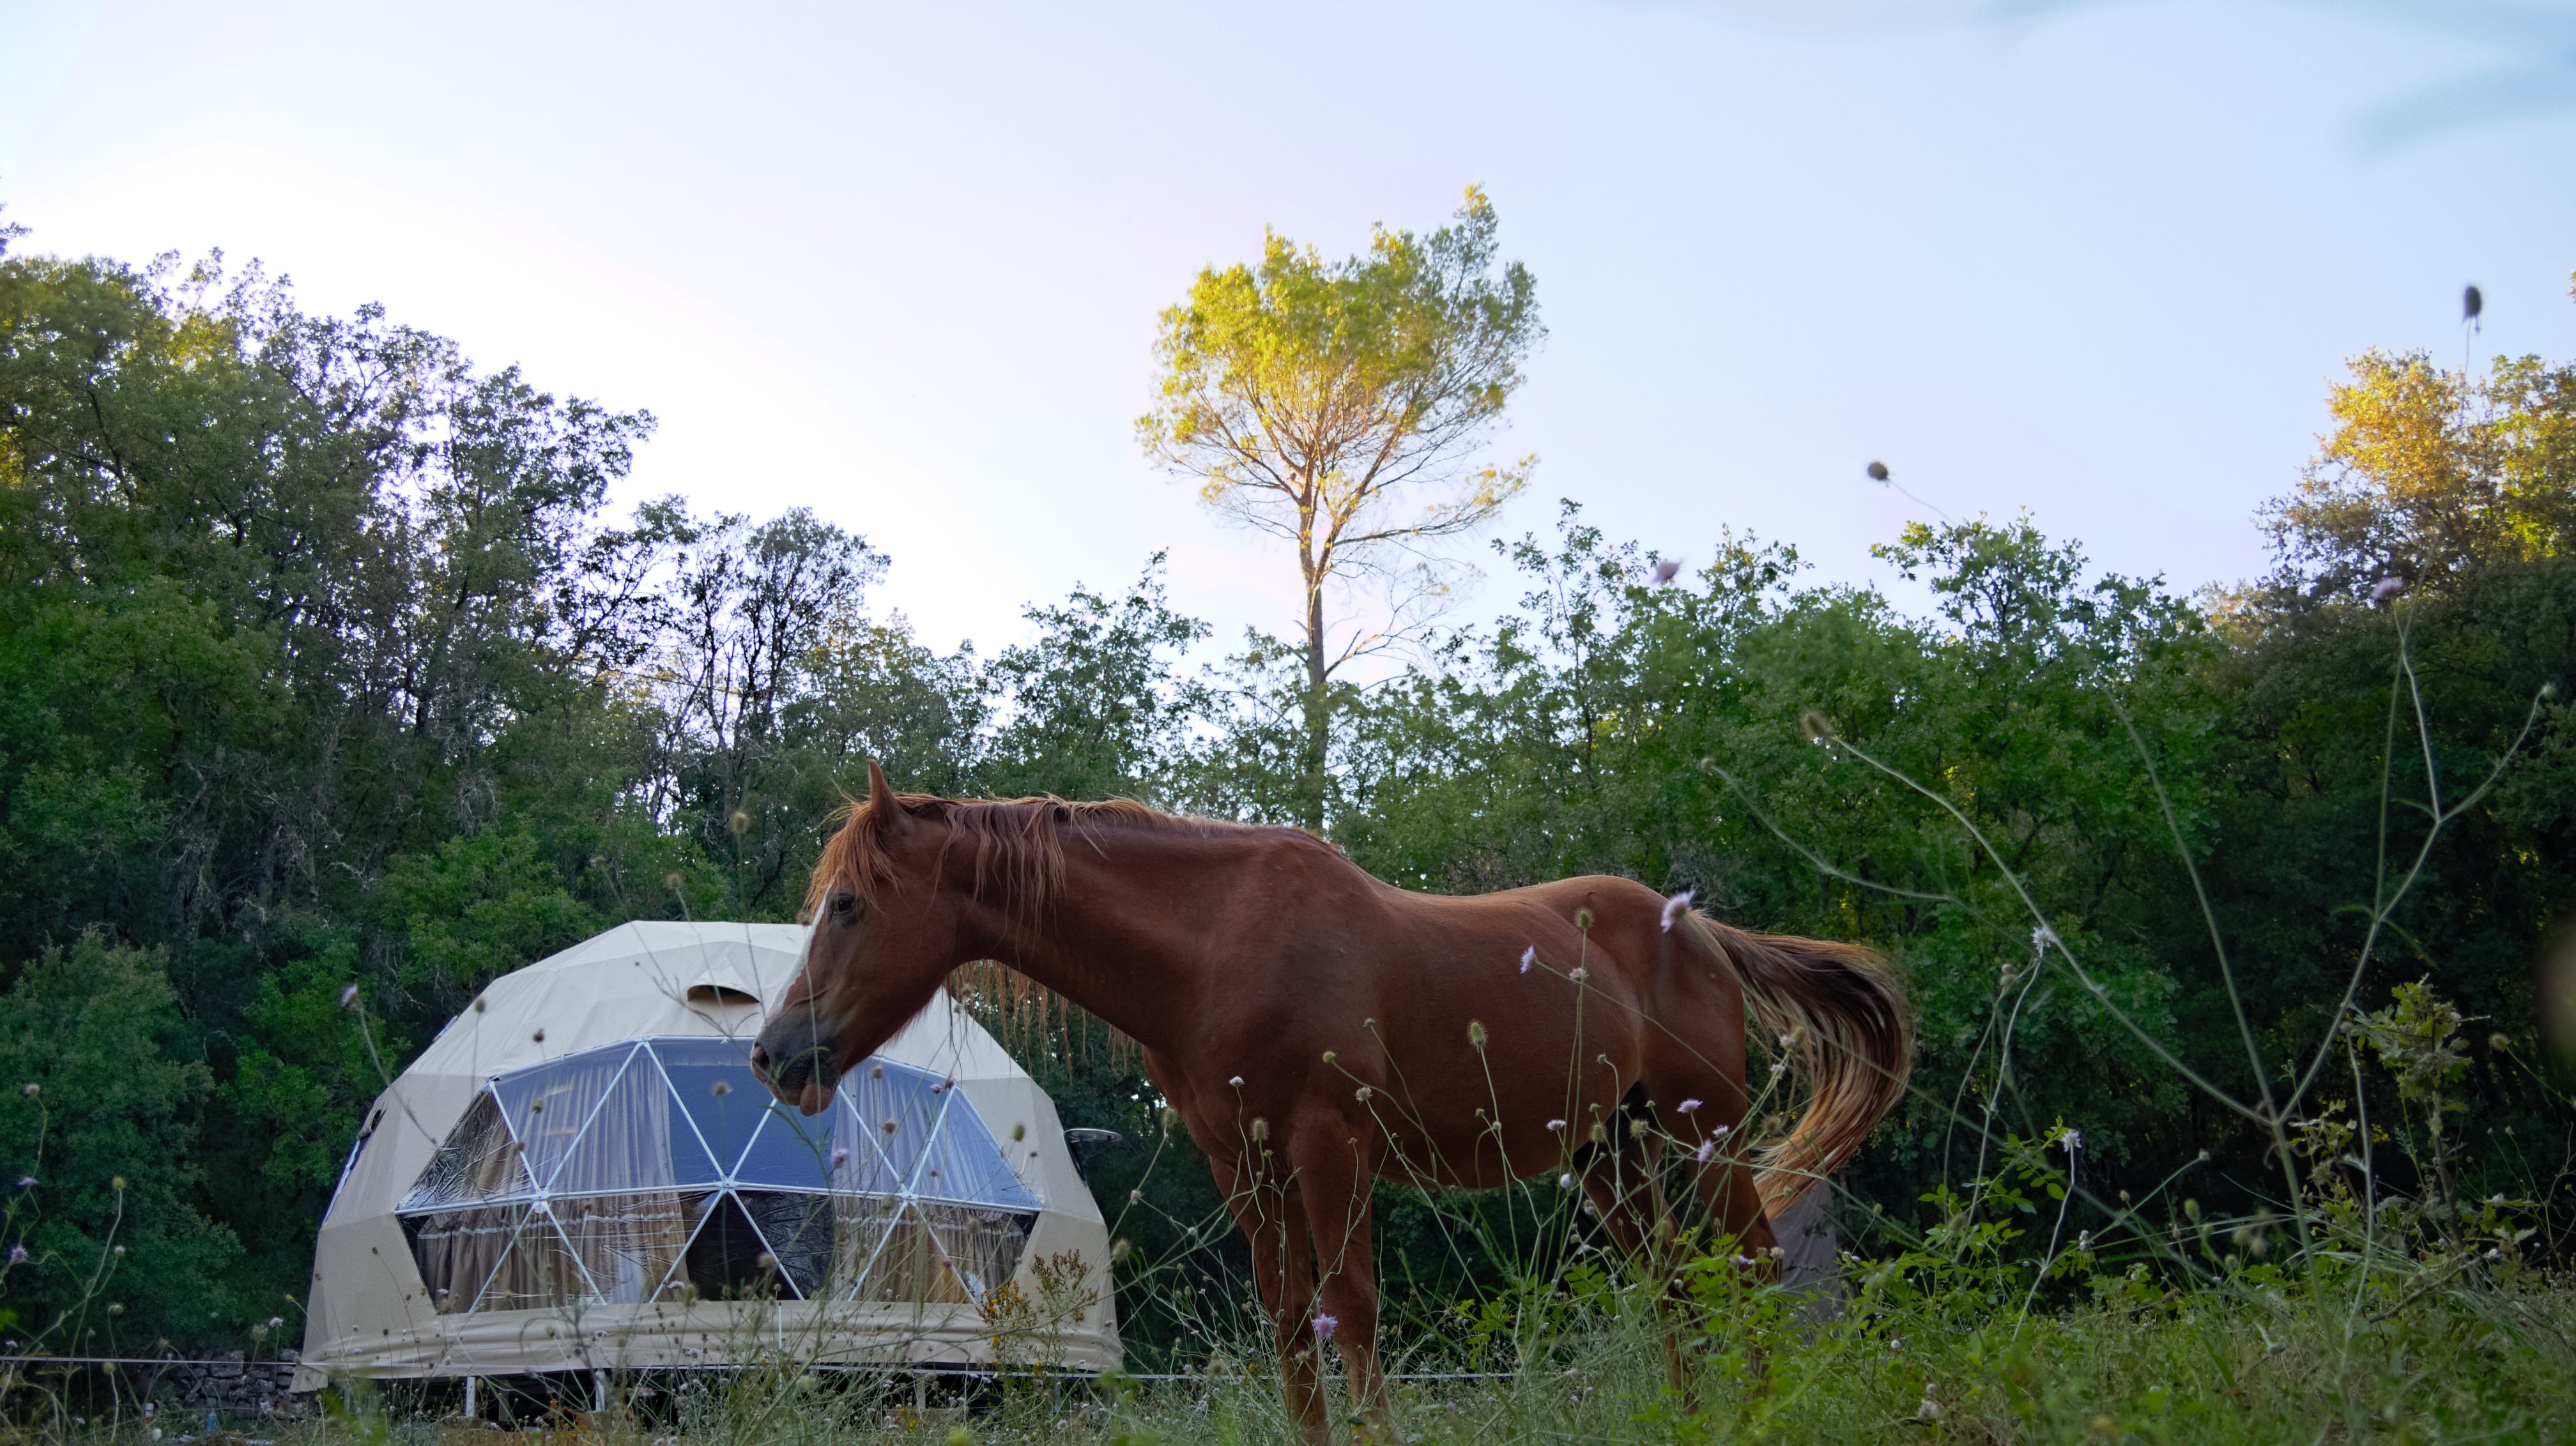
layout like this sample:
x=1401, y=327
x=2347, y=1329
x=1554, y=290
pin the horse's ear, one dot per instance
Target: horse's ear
x=886, y=815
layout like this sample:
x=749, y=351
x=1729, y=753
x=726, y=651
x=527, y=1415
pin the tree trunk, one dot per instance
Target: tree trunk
x=1311, y=783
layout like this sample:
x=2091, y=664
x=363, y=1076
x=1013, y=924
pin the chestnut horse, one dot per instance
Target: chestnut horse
x=1316, y=1029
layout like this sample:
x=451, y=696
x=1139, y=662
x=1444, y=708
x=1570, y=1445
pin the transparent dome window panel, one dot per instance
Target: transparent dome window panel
x=456, y=1250
x=478, y=1161
x=629, y=1246
x=898, y=1110
x=638, y=1138
x=714, y=1083
x=538, y=1270
x=982, y=1246
x=859, y=1226
x=725, y=1256
x=789, y=1150
x=550, y=1105
x=909, y=1266
x=858, y=1159
x=798, y=1230
x=962, y=1162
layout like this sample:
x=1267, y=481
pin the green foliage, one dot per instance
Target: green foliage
x=98, y=1130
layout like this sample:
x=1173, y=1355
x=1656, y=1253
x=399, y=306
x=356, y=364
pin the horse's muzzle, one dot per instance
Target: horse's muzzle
x=797, y=1060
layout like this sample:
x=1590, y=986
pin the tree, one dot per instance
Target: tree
x=2430, y=475
x=1314, y=400
x=1093, y=705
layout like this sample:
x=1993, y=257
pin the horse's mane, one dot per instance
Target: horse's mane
x=1018, y=848
x=1018, y=842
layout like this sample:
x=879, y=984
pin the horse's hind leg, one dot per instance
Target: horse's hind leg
x=1267, y=1210
x=1623, y=1178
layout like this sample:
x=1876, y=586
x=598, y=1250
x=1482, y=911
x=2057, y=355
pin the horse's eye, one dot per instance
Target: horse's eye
x=844, y=905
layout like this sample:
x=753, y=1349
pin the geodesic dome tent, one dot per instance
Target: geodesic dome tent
x=582, y=1172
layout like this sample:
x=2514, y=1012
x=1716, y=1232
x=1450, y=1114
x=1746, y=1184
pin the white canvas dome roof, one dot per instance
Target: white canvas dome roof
x=581, y=1172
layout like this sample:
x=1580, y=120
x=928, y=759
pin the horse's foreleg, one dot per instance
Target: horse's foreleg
x=1336, y=1194
x=1267, y=1210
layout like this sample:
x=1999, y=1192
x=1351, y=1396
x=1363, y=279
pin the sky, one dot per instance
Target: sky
x=902, y=265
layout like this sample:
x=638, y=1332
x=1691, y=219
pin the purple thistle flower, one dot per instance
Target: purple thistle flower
x=1325, y=1326
x=1673, y=908
x=840, y=1156
x=26, y=1182
x=1688, y=1107
x=17, y=1255
x=1667, y=570
x=1707, y=1148
x=1556, y=1124
x=1719, y=1133
x=1529, y=956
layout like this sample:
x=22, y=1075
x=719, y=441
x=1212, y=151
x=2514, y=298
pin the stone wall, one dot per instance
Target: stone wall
x=182, y=1392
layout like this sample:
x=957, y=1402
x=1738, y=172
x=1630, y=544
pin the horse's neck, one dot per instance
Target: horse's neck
x=1122, y=936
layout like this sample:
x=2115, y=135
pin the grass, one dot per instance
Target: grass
x=2255, y=1357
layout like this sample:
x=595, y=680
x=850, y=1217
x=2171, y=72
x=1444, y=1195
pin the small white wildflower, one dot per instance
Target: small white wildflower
x=2386, y=588
x=1578, y=974
x=1673, y=908
x=1707, y=1149
x=1779, y=1067
x=2041, y=938
x=840, y=1156
x=1362, y=1094
x=1236, y=1082
x=1667, y=570
x=1556, y=1124
x=1687, y=1107
x=1135, y=1197
x=17, y=1255
x=348, y=996
x=1565, y=1181
x=1719, y=1133
x=1529, y=956
x=1325, y=1326
x=275, y=1321
x=2071, y=1138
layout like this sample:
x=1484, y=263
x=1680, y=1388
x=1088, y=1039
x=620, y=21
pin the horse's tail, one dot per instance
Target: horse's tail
x=1838, y=1013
